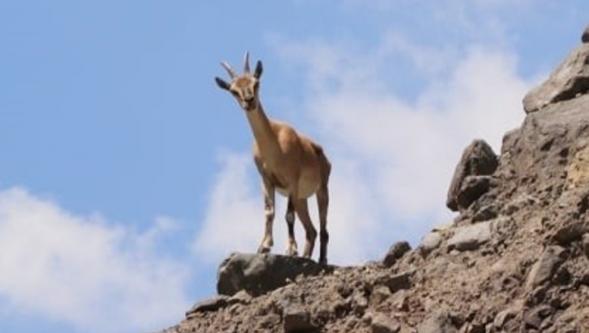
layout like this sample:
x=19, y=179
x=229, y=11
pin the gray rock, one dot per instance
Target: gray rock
x=470, y=237
x=472, y=188
x=570, y=79
x=297, y=319
x=504, y=316
x=260, y=273
x=569, y=231
x=478, y=159
x=543, y=270
x=430, y=242
x=384, y=324
x=241, y=297
x=212, y=304
x=396, y=282
x=438, y=322
x=534, y=317
x=395, y=253
x=379, y=294
x=585, y=36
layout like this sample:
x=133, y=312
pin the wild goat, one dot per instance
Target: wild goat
x=288, y=162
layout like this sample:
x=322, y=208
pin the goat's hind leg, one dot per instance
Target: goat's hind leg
x=322, y=204
x=291, y=249
x=302, y=210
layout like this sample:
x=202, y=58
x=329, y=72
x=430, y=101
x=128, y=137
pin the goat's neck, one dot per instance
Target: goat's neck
x=263, y=133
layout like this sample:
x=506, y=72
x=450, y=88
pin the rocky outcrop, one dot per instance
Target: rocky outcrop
x=570, y=80
x=515, y=259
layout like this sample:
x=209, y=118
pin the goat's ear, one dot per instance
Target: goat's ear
x=259, y=69
x=222, y=83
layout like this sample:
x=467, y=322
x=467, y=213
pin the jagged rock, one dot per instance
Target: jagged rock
x=478, y=159
x=395, y=252
x=260, y=273
x=546, y=266
x=470, y=237
x=585, y=37
x=430, y=242
x=570, y=79
x=384, y=324
x=211, y=304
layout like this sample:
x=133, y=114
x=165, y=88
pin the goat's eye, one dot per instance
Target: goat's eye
x=233, y=92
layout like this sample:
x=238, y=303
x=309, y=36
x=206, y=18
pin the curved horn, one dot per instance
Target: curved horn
x=246, y=62
x=229, y=70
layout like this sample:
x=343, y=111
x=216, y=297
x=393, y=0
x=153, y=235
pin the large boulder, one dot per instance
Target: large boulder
x=568, y=81
x=478, y=159
x=260, y=273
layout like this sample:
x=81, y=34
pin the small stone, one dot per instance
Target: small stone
x=383, y=324
x=534, y=317
x=438, y=322
x=242, y=297
x=429, y=243
x=503, y=317
x=379, y=295
x=297, y=319
x=396, y=282
x=395, y=253
x=543, y=270
x=470, y=237
x=586, y=244
x=569, y=231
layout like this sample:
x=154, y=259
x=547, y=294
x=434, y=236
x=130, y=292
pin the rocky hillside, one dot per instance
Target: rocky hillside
x=516, y=258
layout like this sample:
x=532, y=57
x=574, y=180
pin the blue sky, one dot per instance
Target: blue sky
x=125, y=174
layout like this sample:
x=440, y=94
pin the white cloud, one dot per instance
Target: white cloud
x=84, y=272
x=410, y=149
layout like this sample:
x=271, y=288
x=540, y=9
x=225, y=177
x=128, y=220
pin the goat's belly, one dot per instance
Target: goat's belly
x=307, y=186
x=282, y=191
x=305, y=190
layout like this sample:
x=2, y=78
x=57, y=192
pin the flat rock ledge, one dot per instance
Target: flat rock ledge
x=260, y=273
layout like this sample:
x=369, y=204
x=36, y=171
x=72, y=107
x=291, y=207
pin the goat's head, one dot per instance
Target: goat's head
x=243, y=87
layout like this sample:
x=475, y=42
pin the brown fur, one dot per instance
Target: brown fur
x=288, y=162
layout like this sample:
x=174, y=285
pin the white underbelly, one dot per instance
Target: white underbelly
x=305, y=190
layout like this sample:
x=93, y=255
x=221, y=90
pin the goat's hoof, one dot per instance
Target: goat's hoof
x=323, y=261
x=292, y=252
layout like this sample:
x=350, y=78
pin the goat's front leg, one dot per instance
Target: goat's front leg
x=269, y=205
